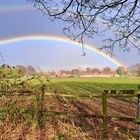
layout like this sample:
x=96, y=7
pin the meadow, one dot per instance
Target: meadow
x=89, y=85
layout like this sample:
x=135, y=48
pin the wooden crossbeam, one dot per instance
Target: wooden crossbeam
x=111, y=93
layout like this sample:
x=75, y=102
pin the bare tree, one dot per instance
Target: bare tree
x=83, y=16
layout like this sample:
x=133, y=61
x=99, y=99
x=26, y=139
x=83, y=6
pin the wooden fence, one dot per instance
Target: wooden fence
x=104, y=95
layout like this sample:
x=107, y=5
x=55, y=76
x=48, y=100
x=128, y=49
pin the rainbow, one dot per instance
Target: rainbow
x=30, y=7
x=61, y=39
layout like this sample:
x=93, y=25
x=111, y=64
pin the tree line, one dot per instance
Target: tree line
x=133, y=70
x=7, y=71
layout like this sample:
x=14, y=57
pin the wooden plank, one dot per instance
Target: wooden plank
x=42, y=98
x=92, y=96
x=70, y=114
x=104, y=109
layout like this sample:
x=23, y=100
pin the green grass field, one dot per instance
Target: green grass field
x=88, y=85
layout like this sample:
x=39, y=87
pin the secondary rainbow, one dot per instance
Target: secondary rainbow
x=15, y=8
x=60, y=39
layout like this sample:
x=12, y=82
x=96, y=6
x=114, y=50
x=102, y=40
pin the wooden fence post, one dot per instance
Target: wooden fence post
x=42, y=105
x=139, y=112
x=39, y=109
x=104, y=109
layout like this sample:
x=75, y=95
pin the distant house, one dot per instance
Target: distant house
x=58, y=74
x=100, y=75
x=116, y=75
x=62, y=75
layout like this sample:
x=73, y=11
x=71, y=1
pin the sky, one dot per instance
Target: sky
x=47, y=54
